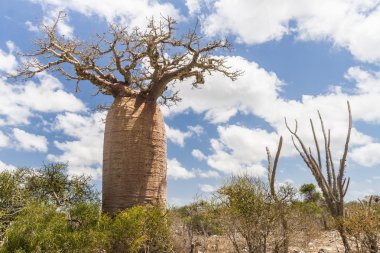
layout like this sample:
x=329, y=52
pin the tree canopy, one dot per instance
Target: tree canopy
x=130, y=62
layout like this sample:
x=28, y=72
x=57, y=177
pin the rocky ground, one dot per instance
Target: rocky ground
x=325, y=242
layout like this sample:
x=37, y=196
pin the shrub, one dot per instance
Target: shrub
x=49, y=184
x=42, y=228
x=141, y=229
x=194, y=224
x=363, y=224
x=247, y=213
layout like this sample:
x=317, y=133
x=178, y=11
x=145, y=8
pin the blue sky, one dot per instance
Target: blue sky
x=297, y=57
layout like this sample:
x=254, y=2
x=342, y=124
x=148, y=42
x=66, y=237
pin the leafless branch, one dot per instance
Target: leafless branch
x=335, y=187
x=138, y=61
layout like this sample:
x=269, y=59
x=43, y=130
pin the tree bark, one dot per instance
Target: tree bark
x=134, y=155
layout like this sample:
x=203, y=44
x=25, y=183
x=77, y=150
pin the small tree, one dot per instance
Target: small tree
x=333, y=184
x=49, y=184
x=247, y=213
x=310, y=193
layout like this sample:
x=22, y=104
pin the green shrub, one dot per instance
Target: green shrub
x=247, y=211
x=42, y=228
x=141, y=229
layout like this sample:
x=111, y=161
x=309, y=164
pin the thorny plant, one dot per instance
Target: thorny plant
x=333, y=183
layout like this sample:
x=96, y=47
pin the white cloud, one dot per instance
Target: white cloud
x=206, y=174
x=194, y=6
x=85, y=153
x=197, y=129
x=49, y=96
x=368, y=155
x=348, y=24
x=177, y=171
x=6, y=167
x=220, y=99
x=8, y=62
x=207, y=188
x=18, y=102
x=198, y=154
x=178, y=137
x=4, y=140
x=257, y=93
x=29, y=142
x=128, y=12
x=240, y=150
x=31, y=27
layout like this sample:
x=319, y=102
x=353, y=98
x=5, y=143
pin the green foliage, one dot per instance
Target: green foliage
x=141, y=229
x=43, y=228
x=310, y=193
x=199, y=217
x=49, y=184
x=246, y=206
x=46, y=210
x=52, y=184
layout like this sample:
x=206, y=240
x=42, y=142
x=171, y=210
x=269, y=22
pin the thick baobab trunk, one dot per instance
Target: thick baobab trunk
x=134, y=156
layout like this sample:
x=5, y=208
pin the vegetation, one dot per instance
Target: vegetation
x=48, y=210
x=243, y=216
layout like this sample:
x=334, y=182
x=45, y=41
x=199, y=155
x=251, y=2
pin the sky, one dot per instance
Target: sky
x=297, y=56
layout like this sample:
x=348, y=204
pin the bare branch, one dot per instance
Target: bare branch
x=148, y=60
x=335, y=187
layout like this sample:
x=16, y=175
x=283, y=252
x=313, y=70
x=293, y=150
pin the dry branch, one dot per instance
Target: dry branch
x=334, y=187
x=138, y=61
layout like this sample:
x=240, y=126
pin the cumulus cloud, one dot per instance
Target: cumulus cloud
x=8, y=62
x=4, y=140
x=257, y=93
x=348, y=24
x=178, y=137
x=194, y=6
x=240, y=150
x=368, y=155
x=31, y=27
x=8, y=167
x=177, y=171
x=198, y=154
x=207, y=188
x=84, y=152
x=206, y=173
x=29, y=142
x=18, y=102
x=129, y=12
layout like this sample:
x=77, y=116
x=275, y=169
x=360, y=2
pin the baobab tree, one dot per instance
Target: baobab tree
x=135, y=66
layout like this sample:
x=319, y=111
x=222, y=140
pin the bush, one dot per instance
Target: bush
x=45, y=228
x=194, y=224
x=42, y=228
x=363, y=224
x=46, y=210
x=50, y=184
x=141, y=229
x=247, y=211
